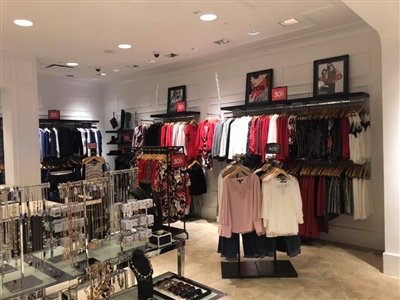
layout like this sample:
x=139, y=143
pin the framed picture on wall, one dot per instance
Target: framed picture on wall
x=258, y=87
x=175, y=94
x=331, y=76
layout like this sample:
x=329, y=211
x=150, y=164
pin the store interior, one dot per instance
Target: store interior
x=114, y=90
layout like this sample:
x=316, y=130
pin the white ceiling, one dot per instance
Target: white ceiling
x=80, y=31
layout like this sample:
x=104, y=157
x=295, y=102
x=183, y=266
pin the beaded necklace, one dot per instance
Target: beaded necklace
x=140, y=276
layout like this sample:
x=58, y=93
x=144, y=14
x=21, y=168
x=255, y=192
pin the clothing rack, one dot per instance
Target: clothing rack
x=352, y=99
x=168, y=151
x=260, y=268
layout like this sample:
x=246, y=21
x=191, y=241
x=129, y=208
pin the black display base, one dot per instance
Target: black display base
x=7, y=269
x=247, y=269
x=22, y=283
x=279, y=268
x=83, y=264
x=257, y=269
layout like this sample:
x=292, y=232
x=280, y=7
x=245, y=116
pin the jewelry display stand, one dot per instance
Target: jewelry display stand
x=141, y=267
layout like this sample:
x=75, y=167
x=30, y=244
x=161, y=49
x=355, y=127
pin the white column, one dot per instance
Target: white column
x=19, y=107
x=384, y=18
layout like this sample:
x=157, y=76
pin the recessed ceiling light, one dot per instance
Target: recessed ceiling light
x=194, y=49
x=150, y=61
x=116, y=70
x=288, y=22
x=103, y=74
x=24, y=23
x=125, y=46
x=208, y=17
x=253, y=32
x=72, y=64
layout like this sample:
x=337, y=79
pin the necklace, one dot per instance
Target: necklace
x=140, y=276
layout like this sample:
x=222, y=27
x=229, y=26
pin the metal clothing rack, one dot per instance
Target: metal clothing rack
x=168, y=151
x=259, y=268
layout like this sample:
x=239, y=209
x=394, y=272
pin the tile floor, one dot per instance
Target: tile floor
x=326, y=270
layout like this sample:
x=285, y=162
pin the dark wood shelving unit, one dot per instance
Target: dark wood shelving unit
x=120, y=143
x=120, y=131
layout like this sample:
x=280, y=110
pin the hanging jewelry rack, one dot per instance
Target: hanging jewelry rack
x=168, y=151
x=120, y=183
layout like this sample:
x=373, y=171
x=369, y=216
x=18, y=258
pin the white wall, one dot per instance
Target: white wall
x=221, y=81
x=385, y=18
x=75, y=100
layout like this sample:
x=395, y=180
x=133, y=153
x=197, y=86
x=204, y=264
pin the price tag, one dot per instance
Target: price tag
x=273, y=148
x=75, y=191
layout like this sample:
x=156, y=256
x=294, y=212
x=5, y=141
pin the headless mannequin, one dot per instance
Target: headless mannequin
x=143, y=271
x=144, y=191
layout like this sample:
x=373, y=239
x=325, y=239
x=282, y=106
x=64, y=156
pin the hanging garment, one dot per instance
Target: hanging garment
x=281, y=206
x=240, y=206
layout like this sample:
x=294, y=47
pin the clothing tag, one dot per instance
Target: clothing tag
x=66, y=200
x=75, y=191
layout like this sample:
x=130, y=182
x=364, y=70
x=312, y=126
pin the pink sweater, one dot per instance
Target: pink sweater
x=240, y=206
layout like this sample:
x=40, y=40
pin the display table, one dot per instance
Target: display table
x=54, y=271
x=131, y=293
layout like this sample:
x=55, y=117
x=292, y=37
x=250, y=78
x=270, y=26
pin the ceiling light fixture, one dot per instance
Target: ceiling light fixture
x=288, y=22
x=253, y=32
x=208, y=17
x=103, y=74
x=150, y=61
x=23, y=23
x=125, y=46
x=72, y=64
x=116, y=70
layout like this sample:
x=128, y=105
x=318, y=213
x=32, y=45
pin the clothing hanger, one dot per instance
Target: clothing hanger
x=91, y=158
x=195, y=162
x=240, y=169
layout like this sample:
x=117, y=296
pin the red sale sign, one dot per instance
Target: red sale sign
x=178, y=160
x=181, y=106
x=54, y=114
x=279, y=93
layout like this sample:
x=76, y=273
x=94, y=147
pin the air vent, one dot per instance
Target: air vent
x=132, y=66
x=59, y=66
x=69, y=75
x=222, y=42
x=172, y=55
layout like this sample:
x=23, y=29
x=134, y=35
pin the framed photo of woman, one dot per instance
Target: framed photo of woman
x=331, y=76
x=175, y=94
x=258, y=87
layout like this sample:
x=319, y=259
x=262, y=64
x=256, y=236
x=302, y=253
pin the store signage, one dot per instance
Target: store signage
x=279, y=93
x=273, y=148
x=53, y=114
x=126, y=137
x=178, y=160
x=181, y=106
x=92, y=145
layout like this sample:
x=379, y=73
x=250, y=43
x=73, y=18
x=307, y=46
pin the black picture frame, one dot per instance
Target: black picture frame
x=331, y=77
x=259, y=87
x=175, y=94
